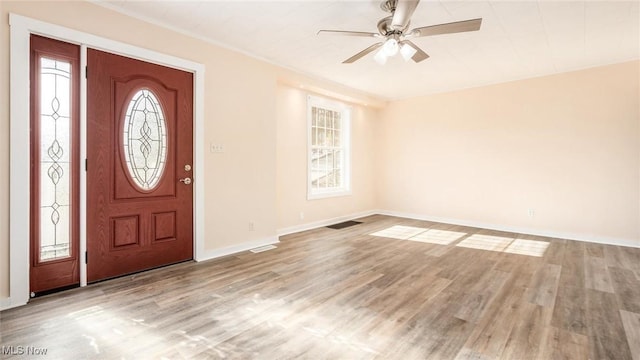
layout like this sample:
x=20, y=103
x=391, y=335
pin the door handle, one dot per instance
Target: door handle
x=186, y=181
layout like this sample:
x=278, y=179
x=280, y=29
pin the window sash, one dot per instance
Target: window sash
x=328, y=144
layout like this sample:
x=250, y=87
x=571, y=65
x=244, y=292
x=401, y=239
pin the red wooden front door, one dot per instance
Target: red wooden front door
x=139, y=159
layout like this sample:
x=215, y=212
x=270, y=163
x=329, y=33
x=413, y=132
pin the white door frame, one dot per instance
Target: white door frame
x=21, y=29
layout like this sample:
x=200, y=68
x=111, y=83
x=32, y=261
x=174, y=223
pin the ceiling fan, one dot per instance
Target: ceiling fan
x=394, y=30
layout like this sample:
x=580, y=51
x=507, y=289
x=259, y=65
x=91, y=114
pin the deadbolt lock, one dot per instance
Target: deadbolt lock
x=187, y=167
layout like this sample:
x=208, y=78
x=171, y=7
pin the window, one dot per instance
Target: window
x=54, y=154
x=329, y=148
x=145, y=139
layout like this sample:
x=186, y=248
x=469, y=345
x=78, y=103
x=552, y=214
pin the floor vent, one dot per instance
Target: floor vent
x=343, y=225
x=263, y=248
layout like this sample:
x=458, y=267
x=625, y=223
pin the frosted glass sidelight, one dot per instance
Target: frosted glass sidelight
x=145, y=139
x=54, y=155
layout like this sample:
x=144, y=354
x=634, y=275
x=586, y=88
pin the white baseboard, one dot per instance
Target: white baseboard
x=321, y=223
x=5, y=304
x=536, y=232
x=229, y=250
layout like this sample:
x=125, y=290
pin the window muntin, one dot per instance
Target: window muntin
x=329, y=148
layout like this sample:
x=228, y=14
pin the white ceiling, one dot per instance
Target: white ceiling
x=518, y=39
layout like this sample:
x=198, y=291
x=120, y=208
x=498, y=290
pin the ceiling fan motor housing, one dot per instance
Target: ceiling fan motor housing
x=389, y=5
x=385, y=28
x=394, y=30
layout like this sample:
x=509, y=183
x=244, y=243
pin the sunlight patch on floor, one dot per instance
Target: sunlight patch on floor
x=475, y=241
x=486, y=242
x=527, y=247
x=505, y=244
x=431, y=236
x=400, y=232
x=440, y=237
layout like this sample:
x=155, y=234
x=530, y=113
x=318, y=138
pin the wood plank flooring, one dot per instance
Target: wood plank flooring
x=345, y=294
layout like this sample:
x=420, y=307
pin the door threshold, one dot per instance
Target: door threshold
x=53, y=291
x=138, y=272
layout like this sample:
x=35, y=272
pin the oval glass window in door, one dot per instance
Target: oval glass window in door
x=145, y=139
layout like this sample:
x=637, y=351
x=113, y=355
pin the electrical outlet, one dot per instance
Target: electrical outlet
x=252, y=226
x=301, y=215
x=216, y=148
x=531, y=213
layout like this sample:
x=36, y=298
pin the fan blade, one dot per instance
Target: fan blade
x=402, y=14
x=448, y=28
x=419, y=55
x=348, y=33
x=362, y=53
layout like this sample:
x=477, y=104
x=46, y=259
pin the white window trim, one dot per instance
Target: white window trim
x=21, y=28
x=337, y=106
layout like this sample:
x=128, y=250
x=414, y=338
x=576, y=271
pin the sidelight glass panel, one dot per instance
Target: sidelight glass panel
x=145, y=139
x=54, y=155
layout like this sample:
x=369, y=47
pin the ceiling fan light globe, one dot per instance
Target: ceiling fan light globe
x=390, y=47
x=380, y=57
x=407, y=52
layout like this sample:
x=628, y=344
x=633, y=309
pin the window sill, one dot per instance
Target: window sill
x=331, y=194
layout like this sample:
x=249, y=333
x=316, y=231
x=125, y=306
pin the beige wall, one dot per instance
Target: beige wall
x=565, y=146
x=240, y=114
x=292, y=163
x=235, y=194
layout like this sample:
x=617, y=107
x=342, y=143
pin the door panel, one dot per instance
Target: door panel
x=54, y=225
x=140, y=137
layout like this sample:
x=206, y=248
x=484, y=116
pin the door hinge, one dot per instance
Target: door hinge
x=86, y=72
x=86, y=165
x=86, y=257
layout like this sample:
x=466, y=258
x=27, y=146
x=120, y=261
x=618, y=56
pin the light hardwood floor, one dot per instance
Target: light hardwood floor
x=345, y=294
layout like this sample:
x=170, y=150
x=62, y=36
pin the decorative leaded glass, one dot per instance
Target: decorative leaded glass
x=145, y=139
x=55, y=159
